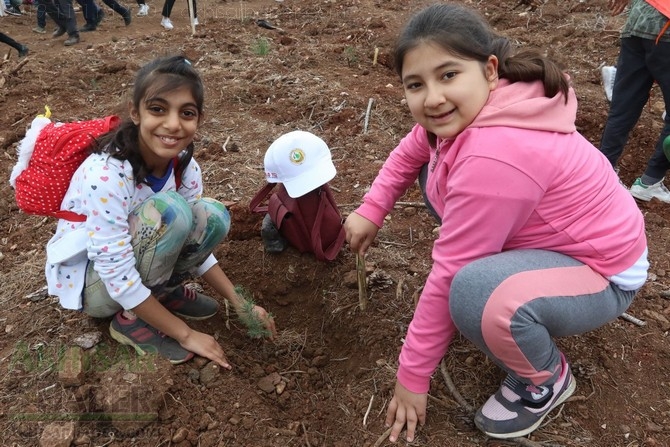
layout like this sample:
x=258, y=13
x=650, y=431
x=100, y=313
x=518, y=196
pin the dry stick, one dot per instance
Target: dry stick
x=18, y=67
x=374, y=59
x=632, y=319
x=367, y=412
x=382, y=438
x=362, y=283
x=191, y=16
x=452, y=389
x=225, y=144
x=304, y=433
x=367, y=115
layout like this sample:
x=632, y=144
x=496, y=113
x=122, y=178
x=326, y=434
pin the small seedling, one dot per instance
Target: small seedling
x=261, y=47
x=249, y=317
x=351, y=56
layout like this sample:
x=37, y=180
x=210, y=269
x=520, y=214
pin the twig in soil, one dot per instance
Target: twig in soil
x=367, y=412
x=304, y=433
x=16, y=69
x=452, y=389
x=374, y=59
x=362, y=283
x=367, y=115
x=225, y=144
x=632, y=319
x=382, y=438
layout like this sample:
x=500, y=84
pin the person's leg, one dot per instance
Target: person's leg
x=66, y=10
x=92, y=13
x=511, y=305
x=167, y=8
x=211, y=223
x=117, y=8
x=658, y=61
x=632, y=84
x=41, y=16
x=159, y=228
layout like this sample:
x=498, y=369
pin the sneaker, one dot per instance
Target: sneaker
x=128, y=17
x=144, y=10
x=187, y=303
x=23, y=51
x=39, y=30
x=58, y=32
x=517, y=408
x=647, y=192
x=166, y=23
x=273, y=241
x=608, y=73
x=146, y=339
x=72, y=40
x=88, y=28
x=13, y=11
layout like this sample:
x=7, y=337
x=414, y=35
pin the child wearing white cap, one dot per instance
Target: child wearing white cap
x=302, y=162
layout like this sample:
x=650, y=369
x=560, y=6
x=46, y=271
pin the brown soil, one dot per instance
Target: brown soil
x=332, y=365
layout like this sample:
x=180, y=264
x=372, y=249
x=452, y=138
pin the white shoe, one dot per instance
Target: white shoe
x=166, y=23
x=643, y=192
x=608, y=73
x=144, y=10
x=195, y=21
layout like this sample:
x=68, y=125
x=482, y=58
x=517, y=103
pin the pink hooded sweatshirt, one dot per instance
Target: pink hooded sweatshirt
x=519, y=177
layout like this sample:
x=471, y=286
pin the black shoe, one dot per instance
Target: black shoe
x=100, y=16
x=14, y=11
x=58, y=32
x=23, y=51
x=127, y=17
x=87, y=28
x=72, y=40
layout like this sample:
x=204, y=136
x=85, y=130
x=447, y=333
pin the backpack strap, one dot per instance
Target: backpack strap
x=330, y=252
x=69, y=215
x=178, y=171
x=254, y=205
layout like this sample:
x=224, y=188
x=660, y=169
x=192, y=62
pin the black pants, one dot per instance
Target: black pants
x=641, y=61
x=167, y=8
x=4, y=38
x=62, y=12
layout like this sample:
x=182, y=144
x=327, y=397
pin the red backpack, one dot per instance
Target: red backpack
x=311, y=223
x=49, y=155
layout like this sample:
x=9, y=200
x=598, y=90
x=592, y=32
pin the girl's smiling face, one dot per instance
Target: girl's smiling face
x=444, y=92
x=166, y=125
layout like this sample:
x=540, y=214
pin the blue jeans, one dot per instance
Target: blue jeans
x=641, y=61
x=167, y=250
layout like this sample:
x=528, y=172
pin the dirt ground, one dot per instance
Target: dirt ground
x=327, y=380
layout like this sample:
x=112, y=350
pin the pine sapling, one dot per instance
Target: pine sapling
x=249, y=316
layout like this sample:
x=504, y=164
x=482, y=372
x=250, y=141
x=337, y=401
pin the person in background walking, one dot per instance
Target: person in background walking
x=644, y=57
x=62, y=12
x=167, y=10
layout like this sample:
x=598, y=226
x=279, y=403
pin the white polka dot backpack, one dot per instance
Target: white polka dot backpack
x=48, y=156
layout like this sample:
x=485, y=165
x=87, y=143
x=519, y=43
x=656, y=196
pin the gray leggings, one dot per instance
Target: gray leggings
x=511, y=304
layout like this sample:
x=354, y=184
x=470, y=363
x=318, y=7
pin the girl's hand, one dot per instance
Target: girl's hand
x=360, y=232
x=617, y=6
x=205, y=346
x=406, y=408
x=267, y=320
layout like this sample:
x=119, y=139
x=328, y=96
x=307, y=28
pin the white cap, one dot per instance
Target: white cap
x=301, y=161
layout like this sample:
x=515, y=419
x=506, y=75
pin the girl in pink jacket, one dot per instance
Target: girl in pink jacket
x=538, y=239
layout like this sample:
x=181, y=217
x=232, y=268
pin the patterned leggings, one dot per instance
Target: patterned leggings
x=170, y=240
